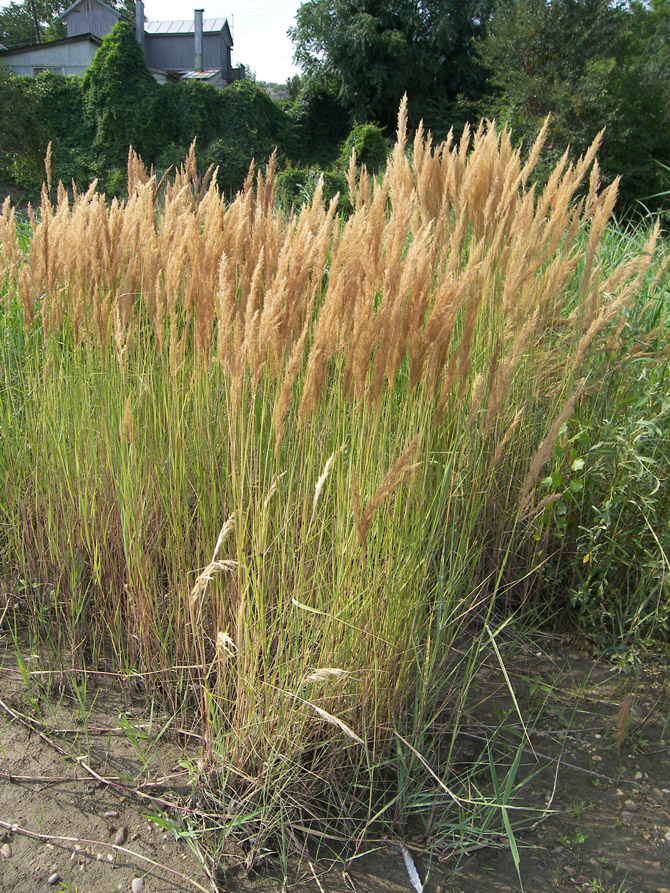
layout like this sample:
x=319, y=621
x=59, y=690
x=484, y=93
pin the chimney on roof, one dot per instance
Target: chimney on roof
x=139, y=22
x=197, y=20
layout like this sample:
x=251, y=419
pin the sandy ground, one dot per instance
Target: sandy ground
x=92, y=799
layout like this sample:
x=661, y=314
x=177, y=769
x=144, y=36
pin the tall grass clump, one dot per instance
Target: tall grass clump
x=285, y=465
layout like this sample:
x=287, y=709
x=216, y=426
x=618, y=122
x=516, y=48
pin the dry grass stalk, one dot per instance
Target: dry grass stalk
x=127, y=423
x=400, y=470
x=545, y=451
x=622, y=720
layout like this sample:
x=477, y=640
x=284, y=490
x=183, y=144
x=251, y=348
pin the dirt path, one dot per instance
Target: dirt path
x=609, y=831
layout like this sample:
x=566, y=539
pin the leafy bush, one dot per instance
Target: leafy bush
x=590, y=66
x=370, y=145
x=21, y=133
x=252, y=127
x=320, y=126
x=609, y=487
x=189, y=110
x=622, y=590
x=296, y=186
x=118, y=91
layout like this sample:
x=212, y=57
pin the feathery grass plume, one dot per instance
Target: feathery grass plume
x=500, y=449
x=225, y=645
x=205, y=577
x=322, y=480
x=323, y=674
x=285, y=390
x=545, y=450
x=399, y=471
x=47, y=166
x=127, y=423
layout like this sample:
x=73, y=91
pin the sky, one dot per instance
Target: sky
x=259, y=30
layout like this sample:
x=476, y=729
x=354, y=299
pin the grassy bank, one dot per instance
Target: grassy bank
x=293, y=472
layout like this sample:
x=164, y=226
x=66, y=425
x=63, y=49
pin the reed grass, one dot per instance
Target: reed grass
x=282, y=463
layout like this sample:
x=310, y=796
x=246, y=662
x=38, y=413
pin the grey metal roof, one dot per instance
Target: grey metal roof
x=201, y=75
x=183, y=26
x=50, y=43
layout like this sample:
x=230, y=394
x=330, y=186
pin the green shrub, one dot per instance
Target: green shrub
x=189, y=110
x=370, y=145
x=320, y=127
x=622, y=586
x=609, y=485
x=118, y=91
x=21, y=134
x=296, y=186
x=252, y=127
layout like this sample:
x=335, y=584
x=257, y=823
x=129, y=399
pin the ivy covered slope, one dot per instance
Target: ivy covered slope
x=91, y=122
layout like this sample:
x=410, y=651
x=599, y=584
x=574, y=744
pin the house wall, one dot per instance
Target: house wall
x=91, y=18
x=177, y=51
x=72, y=58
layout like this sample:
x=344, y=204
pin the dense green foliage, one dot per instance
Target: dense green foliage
x=590, y=65
x=251, y=127
x=91, y=122
x=118, y=91
x=370, y=53
x=370, y=146
x=21, y=130
x=610, y=478
x=32, y=22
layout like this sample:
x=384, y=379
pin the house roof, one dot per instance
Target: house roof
x=184, y=26
x=99, y=2
x=50, y=43
x=201, y=75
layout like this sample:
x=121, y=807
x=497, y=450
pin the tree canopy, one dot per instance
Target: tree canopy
x=370, y=52
x=590, y=64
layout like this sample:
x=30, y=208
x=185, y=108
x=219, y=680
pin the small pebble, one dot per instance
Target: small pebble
x=110, y=857
x=137, y=885
x=54, y=879
x=638, y=776
x=627, y=817
x=120, y=836
x=111, y=814
x=6, y=850
x=667, y=836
